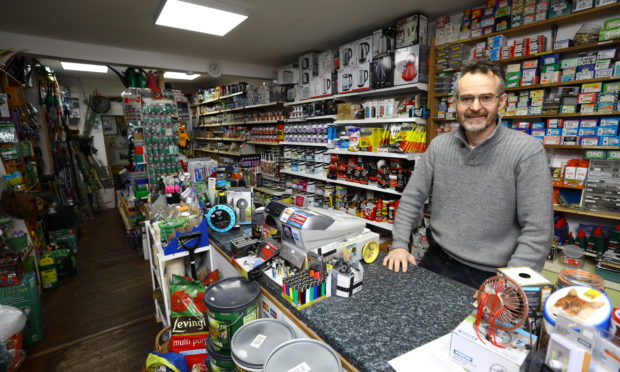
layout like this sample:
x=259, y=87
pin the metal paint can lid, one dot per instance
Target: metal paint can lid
x=303, y=355
x=231, y=295
x=253, y=342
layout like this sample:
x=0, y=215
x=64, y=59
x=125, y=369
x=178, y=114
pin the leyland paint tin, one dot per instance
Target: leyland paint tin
x=218, y=361
x=231, y=303
x=303, y=355
x=253, y=343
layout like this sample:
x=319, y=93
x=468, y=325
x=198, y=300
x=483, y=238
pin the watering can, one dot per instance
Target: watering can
x=132, y=77
x=152, y=79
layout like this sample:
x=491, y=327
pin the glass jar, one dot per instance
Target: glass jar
x=572, y=256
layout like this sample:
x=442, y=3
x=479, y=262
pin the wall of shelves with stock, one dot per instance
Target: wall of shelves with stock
x=556, y=151
x=296, y=148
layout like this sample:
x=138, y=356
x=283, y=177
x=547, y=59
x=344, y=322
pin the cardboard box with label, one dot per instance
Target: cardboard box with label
x=410, y=65
x=469, y=351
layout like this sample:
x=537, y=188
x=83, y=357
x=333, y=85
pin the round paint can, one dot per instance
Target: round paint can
x=252, y=343
x=218, y=361
x=303, y=355
x=583, y=304
x=231, y=303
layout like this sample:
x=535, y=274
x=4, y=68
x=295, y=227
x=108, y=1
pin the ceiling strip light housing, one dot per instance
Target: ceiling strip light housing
x=180, y=75
x=72, y=66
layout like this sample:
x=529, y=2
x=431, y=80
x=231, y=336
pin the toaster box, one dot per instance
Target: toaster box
x=410, y=65
x=412, y=30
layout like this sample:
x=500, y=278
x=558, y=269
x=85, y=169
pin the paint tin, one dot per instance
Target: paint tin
x=303, y=355
x=218, y=361
x=231, y=303
x=583, y=304
x=253, y=343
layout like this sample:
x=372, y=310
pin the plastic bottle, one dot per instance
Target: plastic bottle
x=47, y=269
x=570, y=239
x=581, y=239
x=597, y=243
x=614, y=238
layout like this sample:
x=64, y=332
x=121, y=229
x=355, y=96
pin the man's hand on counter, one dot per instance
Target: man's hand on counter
x=398, y=258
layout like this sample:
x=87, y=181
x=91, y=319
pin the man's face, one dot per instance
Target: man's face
x=479, y=115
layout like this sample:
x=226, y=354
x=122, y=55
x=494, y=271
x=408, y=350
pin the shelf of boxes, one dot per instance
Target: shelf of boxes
x=310, y=144
x=398, y=89
x=217, y=99
x=341, y=182
x=380, y=121
x=393, y=155
x=546, y=24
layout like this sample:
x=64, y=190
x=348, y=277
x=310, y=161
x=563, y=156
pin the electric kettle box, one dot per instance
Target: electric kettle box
x=346, y=56
x=412, y=30
x=309, y=63
x=327, y=63
x=382, y=71
x=352, y=79
x=467, y=350
x=410, y=65
x=363, y=50
x=288, y=75
x=383, y=41
x=322, y=85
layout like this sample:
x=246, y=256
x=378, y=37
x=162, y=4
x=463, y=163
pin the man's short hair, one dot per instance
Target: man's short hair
x=483, y=66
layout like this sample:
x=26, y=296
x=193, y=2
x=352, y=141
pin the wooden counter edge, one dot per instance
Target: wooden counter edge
x=345, y=363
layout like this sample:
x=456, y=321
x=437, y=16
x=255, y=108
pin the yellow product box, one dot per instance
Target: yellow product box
x=370, y=139
x=591, y=87
x=538, y=93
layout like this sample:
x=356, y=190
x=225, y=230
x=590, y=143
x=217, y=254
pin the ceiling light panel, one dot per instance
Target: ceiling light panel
x=72, y=66
x=192, y=17
x=180, y=75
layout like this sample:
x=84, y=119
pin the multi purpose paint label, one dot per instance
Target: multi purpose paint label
x=301, y=367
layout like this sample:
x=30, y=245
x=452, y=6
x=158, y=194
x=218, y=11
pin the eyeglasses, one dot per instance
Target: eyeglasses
x=484, y=99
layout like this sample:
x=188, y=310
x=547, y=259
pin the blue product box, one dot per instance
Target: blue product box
x=538, y=125
x=554, y=131
x=561, y=44
x=610, y=121
x=588, y=123
x=550, y=59
x=495, y=54
x=608, y=131
x=542, y=138
x=587, y=131
x=565, y=78
x=582, y=68
x=571, y=132
x=538, y=132
x=609, y=141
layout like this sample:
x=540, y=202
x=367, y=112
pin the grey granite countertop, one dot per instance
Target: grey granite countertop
x=393, y=314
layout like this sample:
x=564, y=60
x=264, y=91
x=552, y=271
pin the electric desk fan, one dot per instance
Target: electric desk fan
x=502, y=304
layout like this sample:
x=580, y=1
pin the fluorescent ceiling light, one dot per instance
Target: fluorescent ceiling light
x=187, y=16
x=83, y=67
x=180, y=75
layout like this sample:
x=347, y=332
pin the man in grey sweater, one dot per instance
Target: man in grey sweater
x=491, y=190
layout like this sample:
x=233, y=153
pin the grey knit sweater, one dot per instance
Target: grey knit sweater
x=492, y=205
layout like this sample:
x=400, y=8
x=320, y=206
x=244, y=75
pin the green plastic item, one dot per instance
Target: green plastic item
x=597, y=242
x=17, y=243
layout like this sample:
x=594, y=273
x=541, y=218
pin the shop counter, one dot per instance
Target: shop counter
x=393, y=314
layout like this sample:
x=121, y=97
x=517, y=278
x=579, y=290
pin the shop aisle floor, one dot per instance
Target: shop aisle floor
x=102, y=318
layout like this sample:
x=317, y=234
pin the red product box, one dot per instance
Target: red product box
x=586, y=98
